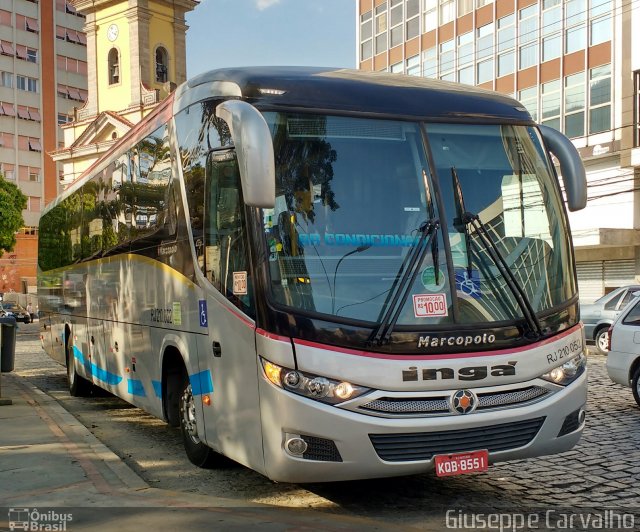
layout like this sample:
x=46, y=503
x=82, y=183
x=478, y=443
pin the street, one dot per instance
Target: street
x=601, y=472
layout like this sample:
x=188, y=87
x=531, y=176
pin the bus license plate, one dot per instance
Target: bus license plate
x=461, y=463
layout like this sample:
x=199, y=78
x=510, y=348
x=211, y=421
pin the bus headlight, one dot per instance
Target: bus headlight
x=317, y=387
x=568, y=372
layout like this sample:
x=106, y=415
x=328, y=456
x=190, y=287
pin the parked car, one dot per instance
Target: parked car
x=600, y=315
x=15, y=310
x=623, y=363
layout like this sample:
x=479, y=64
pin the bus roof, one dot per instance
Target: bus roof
x=354, y=91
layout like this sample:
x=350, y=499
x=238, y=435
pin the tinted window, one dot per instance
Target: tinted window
x=613, y=302
x=633, y=317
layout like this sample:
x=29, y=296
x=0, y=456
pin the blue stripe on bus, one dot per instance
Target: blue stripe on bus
x=105, y=376
x=157, y=388
x=78, y=354
x=135, y=387
x=201, y=382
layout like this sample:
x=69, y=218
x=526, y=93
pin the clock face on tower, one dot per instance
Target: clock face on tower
x=112, y=32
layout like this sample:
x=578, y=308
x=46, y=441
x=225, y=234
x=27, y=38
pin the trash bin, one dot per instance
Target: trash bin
x=7, y=344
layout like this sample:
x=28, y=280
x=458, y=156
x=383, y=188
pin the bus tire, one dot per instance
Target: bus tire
x=78, y=386
x=199, y=453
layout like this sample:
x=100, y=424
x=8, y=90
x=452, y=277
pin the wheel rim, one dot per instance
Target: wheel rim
x=188, y=410
x=603, y=342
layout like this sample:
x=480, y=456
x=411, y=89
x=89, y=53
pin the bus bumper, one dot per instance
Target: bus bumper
x=341, y=447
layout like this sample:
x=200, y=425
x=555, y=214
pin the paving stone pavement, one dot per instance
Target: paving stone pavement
x=602, y=471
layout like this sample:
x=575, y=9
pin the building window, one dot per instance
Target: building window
x=480, y=3
x=8, y=171
x=527, y=56
x=430, y=63
x=506, y=33
x=528, y=26
x=366, y=34
x=431, y=15
x=465, y=48
x=397, y=68
x=7, y=109
x=600, y=13
x=6, y=79
x=6, y=48
x=114, y=67
x=33, y=204
x=381, y=28
x=5, y=18
x=551, y=92
x=34, y=145
x=464, y=7
x=412, y=15
x=447, y=11
x=575, y=12
x=575, y=38
x=484, y=41
x=636, y=109
x=574, y=105
x=28, y=84
x=529, y=100
x=506, y=64
x=32, y=55
x=64, y=119
x=397, y=23
x=413, y=66
x=6, y=140
x=447, y=57
x=600, y=99
x=551, y=16
x=162, y=62
x=485, y=71
x=465, y=75
x=551, y=47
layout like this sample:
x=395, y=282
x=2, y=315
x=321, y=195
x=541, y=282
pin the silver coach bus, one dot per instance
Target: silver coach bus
x=327, y=275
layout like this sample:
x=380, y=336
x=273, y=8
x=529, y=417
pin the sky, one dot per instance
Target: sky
x=227, y=33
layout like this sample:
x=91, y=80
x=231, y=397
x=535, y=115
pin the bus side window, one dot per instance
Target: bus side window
x=225, y=235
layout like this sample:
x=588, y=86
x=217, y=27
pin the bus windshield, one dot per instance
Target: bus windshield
x=352, y=195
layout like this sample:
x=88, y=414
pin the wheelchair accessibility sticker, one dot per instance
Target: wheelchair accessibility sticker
x=202, y=311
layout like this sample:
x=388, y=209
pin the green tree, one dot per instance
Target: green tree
x=12, y=202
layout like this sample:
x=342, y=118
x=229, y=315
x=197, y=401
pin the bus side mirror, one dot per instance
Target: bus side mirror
x=571, y=167
x=254, y=150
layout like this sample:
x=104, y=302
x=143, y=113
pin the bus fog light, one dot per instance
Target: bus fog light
x=581, y=416
x=344, y=390
x=296, y=446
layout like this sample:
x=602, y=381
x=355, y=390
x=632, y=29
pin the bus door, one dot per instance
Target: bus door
x=97, y=354
x=233, y=419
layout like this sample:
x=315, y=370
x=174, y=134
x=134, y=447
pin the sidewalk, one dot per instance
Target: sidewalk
x=51, y=462
x=51, y=465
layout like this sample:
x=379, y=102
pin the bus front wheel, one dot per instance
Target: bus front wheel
x=197, y=451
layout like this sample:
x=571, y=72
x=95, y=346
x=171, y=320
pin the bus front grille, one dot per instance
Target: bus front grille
x=409, y=447
x=424, y=406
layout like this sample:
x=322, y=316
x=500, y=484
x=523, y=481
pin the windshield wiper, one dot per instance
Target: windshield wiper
x=498, y=259
x=458, y=222
x=403, y=282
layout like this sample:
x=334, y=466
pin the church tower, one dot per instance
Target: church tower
x=136, y=55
